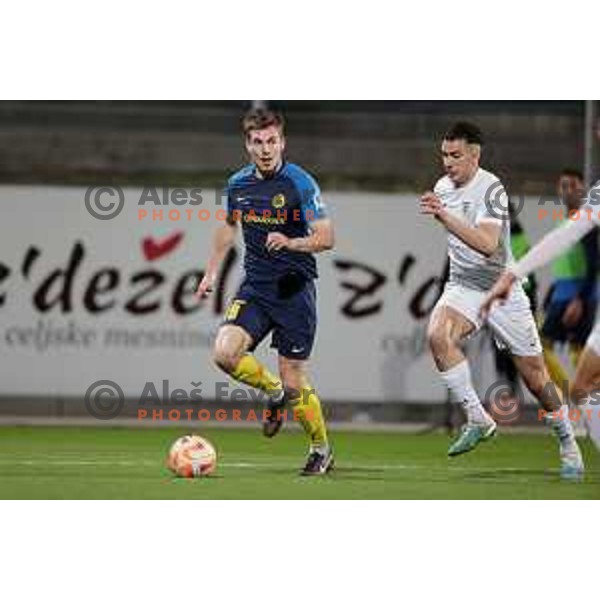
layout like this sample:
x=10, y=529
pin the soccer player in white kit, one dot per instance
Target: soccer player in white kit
x=472, y=205
x=585, y=389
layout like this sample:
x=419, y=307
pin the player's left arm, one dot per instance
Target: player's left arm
x=484, y=237
x=321, y=238
x=321, y=235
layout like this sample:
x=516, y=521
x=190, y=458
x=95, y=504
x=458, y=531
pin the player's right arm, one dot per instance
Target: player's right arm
x=483, y=237
x=223, y=241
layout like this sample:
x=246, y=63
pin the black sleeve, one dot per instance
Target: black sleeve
x=590, y=247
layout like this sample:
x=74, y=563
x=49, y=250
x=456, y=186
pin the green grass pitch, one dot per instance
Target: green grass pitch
x=105, y=463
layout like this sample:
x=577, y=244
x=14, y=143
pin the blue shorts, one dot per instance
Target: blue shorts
x=287, y=308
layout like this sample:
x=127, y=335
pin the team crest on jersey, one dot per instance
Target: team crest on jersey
x=278, y=201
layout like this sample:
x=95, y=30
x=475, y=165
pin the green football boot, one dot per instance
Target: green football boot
x=470, y=436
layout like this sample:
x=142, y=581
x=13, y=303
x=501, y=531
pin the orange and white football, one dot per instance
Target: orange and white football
x=192, y=456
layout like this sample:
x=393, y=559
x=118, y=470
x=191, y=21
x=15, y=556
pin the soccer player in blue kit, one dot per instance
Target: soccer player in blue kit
x=284, y=223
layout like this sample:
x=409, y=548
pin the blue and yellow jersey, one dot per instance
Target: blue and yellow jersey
x=287, y=203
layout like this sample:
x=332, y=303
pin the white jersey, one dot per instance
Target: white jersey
x=482, y=199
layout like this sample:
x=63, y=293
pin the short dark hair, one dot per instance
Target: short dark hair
x=463, y=130
x=568, y=172
x=261, y=118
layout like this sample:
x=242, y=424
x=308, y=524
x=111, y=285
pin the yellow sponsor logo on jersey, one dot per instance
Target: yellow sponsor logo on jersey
x=278, y=201
x=233, y=310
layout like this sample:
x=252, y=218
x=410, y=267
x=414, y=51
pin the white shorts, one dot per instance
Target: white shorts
x=512, y=323
x=593, y=342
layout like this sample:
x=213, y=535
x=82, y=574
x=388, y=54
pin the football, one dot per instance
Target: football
x=192, y=456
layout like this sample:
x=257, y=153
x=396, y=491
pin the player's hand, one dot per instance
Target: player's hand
x=573, y=313
x=431, y=205
x=205, y=287
x=500, y=292
x=277, y=241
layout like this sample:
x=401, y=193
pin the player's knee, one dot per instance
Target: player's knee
x=226, y=359
x=230, y=346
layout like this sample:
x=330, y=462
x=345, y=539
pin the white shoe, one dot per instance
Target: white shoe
x=571, y=462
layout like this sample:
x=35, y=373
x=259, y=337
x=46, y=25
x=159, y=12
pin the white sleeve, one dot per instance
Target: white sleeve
x=439, y=188
x=553, y=245
x=494, y=206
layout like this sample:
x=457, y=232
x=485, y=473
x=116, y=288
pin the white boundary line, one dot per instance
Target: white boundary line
x=260, y=465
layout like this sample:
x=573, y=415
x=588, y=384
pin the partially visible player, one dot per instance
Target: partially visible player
x=571, y=306
x=586, y=385
x=472, y=205
x=284, y=223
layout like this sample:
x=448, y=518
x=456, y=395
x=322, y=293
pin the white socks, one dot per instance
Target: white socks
x=561, y=425
x=591, y=413
x=458, y=381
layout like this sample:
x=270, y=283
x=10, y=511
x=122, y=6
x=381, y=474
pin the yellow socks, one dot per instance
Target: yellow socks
x=306, y=405
x=307, y=409
x=557, y=372
x=251, y=372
